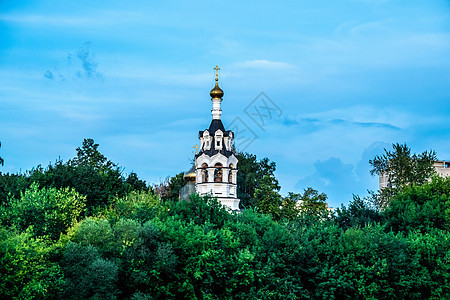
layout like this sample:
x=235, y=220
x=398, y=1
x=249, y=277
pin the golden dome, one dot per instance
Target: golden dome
x=216, y=92
x=189, y=176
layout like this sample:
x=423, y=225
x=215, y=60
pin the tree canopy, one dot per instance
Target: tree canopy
x=140, y=246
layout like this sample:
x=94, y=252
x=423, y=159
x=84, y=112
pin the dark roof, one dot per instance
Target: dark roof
x=215, y=125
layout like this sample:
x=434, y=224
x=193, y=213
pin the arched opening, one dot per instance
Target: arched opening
x=230, y=174
x=204, y=172
x=218, y=172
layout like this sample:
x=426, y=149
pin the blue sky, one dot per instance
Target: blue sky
x=347, y=78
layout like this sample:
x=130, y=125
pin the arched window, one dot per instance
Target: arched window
x=204, y=172
x=218, y=172
x=230, y=174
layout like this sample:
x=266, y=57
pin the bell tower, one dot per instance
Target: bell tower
x=215, y=164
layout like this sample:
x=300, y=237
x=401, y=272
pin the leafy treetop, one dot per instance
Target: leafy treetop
x=403, y=168
x=89, y=155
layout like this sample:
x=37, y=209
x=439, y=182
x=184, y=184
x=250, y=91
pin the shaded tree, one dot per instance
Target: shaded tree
x=27, y=267
x=88, y=275
x=11, y=185
x=290, y=206
x=312, y=203
x=359, y=213
x=136, y=184
x=251, y=174
x=267, y=198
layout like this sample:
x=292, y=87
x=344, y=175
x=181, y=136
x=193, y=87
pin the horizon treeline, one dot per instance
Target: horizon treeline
x=82, y=229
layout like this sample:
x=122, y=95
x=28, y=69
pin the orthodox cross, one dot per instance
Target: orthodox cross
x=217, y=71
x=196, y=147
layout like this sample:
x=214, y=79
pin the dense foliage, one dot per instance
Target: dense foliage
x=57, y=243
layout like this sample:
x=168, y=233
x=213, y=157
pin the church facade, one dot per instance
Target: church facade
x=215, y=164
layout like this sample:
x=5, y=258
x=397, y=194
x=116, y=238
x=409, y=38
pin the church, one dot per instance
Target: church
x=215, y=165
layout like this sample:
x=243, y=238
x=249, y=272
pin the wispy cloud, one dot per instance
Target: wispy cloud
x=319, y=124
x=358, y=116
x=82, y=64
x=88, y=62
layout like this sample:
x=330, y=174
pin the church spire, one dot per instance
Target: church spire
x=216, y=97
x=215, y=164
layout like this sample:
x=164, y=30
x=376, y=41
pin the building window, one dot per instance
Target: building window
x=218, y=172
x=204, y=172
x=230, y=174
x=218, y=139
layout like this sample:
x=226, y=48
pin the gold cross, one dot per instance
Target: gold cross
x=217, y=71
x=196, y=147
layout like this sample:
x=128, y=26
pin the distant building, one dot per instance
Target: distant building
x=189, y=187
x=441, y=167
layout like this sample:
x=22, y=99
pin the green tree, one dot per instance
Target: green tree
x=290, y=206
x=91, y=174
x=402, y=168
x=359, y=213
x=11, y=185
x=140, y=206
x=420, y=207
x=366, y=263
x=27, y=267
x=200, y=210
x=88, y=275
x=136, y=184
x=50, y=211
x=267, y=198
x=95, y=232
x=431, y=251
x=312, y=203
x=89, y=155
x=251, y=174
